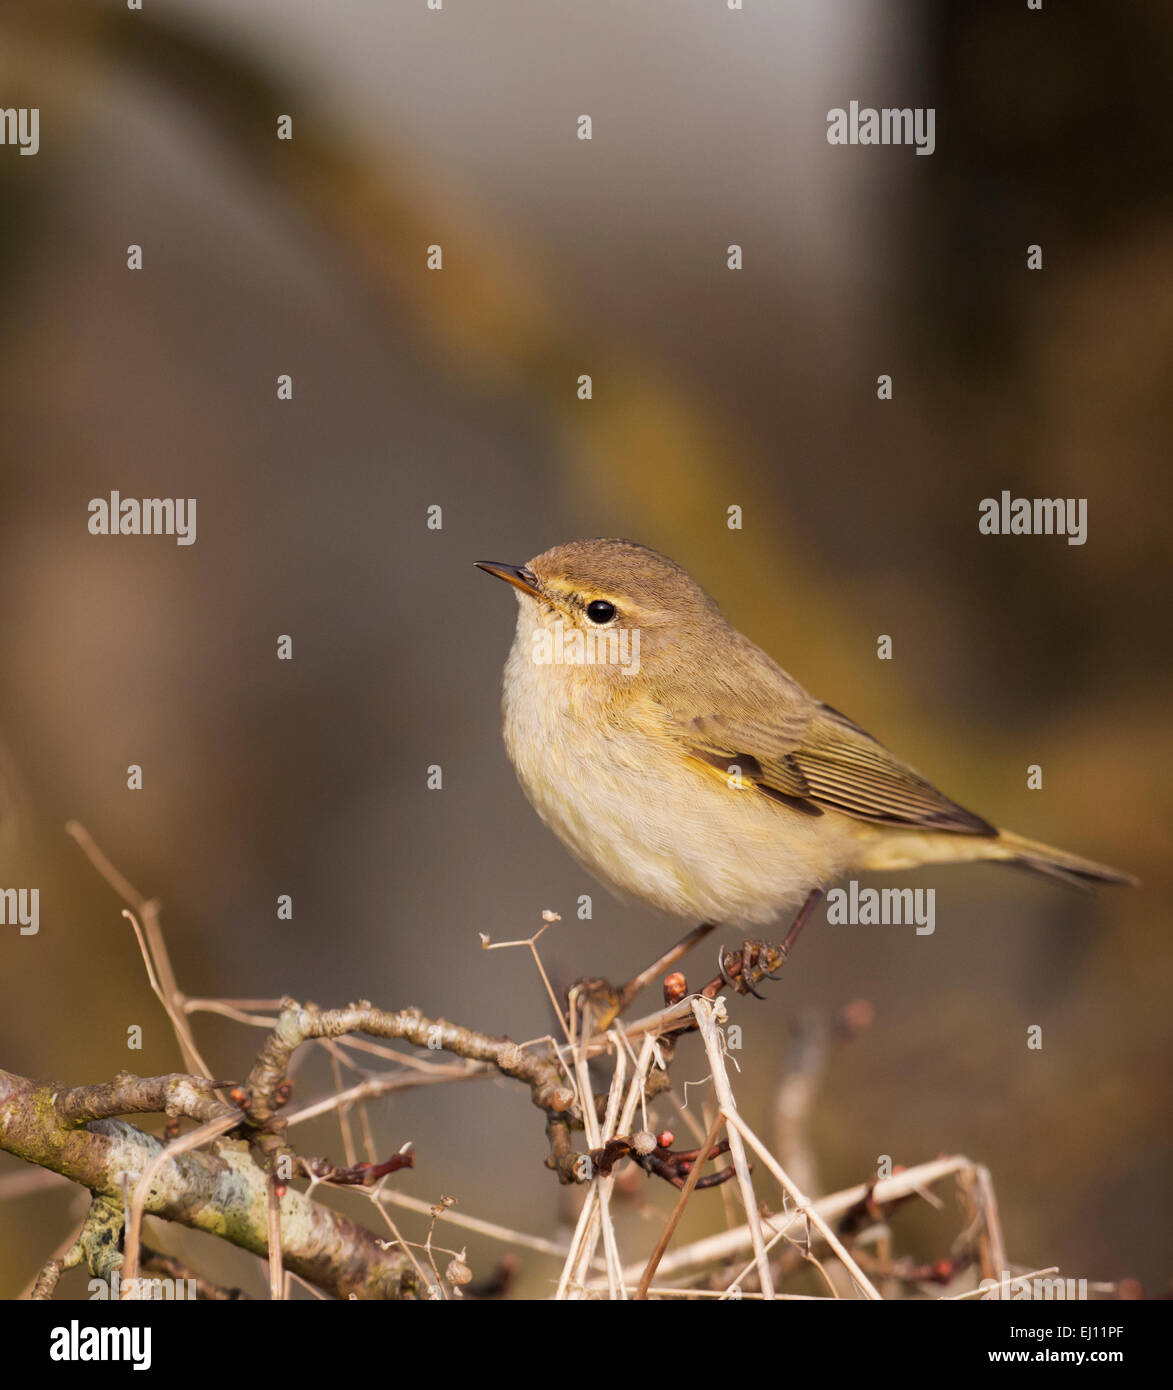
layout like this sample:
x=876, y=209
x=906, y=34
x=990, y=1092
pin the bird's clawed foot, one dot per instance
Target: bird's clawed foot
x=742, y=970
x=758, y=960
x=604, y=1000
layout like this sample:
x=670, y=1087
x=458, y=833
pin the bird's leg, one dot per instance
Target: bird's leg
x=614, y=1001
x=758, y=960
x=800, y=921
x=668, y=959
x=741, y=971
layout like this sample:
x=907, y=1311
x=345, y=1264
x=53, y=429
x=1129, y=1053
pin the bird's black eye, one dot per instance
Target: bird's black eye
x=600, y=611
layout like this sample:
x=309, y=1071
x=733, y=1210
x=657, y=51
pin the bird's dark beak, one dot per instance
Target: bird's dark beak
x=517, y=575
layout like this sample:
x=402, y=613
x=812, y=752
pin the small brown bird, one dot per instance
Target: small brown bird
x=679, y=764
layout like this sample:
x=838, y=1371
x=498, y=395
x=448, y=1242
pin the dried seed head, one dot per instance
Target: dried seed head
x=643, y=1143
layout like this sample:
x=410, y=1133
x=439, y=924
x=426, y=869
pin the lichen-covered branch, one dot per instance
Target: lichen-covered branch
x=220, y=1184
x=172, y=1095
x=221, y=1190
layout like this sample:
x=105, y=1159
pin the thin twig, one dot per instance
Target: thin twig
x=151, y=944
x=706, y=1016
x=805, y=1207
x=724, y=1244
x=681, y=1202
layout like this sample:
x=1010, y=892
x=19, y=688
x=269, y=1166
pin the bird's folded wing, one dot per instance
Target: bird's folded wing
x=815, y=758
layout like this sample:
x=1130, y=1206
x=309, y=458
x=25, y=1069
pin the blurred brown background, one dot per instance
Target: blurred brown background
x=712, y=388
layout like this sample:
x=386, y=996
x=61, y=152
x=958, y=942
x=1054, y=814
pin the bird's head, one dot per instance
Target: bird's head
x=610, y=606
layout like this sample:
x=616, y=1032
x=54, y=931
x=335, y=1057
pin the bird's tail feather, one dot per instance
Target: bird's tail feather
x=916, y=848
x=1057, y=863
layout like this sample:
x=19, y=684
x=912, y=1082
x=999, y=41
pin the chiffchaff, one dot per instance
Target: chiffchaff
x=679, y=764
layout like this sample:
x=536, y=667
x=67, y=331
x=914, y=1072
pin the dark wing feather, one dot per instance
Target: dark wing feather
x=818, y=758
